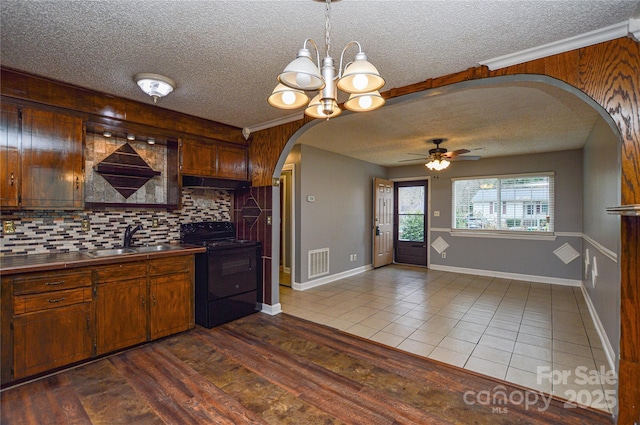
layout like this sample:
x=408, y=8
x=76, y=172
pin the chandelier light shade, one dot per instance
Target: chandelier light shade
x=302, y=73
x=362, y=102
x=155, y=85
x=315, y=109
x=284, y=97
x=359, y=78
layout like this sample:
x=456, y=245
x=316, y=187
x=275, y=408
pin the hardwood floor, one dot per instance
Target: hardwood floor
x=276, y=370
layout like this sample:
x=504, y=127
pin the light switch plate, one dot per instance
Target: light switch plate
x=86, y=225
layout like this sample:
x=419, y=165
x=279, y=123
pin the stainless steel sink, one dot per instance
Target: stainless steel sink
x=156, y=248
x=110, y=252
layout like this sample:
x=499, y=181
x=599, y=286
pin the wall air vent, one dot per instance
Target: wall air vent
x=318, y=262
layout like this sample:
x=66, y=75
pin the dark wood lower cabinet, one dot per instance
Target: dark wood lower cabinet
x=51, y=338
x=171, y=292
x=53, y=319
x=121, y=306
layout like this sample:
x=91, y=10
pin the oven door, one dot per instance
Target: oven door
x=232, y=271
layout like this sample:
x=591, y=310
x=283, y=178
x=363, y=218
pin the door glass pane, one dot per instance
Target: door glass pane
x=411, y=213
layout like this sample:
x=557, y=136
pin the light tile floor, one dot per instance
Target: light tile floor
x=530, y=334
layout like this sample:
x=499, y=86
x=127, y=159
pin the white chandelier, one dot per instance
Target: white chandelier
x=358, y=78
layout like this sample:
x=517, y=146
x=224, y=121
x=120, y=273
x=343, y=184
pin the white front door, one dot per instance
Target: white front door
x=382, y=222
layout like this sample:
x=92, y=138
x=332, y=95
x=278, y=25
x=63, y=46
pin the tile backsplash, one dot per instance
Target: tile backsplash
x=38, y=232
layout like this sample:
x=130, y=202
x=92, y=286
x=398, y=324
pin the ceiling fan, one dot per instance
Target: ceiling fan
x=439, y=157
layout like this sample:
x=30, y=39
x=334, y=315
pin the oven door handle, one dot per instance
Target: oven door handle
x=250, y=264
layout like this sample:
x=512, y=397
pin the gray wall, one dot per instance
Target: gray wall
x=529, y=257
x=340, y=217
x=602, y=231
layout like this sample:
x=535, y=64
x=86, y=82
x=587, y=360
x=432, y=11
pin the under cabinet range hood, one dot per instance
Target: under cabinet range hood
x=214, y=183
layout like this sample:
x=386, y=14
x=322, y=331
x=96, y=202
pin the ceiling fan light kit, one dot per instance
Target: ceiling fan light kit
x=439, y=158
x=437, y=164
x=359, y=78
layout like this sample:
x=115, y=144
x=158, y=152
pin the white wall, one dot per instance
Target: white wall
x=340, y=216
x=533, y=258
x=602, y=231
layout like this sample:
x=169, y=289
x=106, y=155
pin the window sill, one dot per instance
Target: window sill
x=504, y=235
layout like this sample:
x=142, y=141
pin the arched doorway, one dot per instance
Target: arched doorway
x=606, y=139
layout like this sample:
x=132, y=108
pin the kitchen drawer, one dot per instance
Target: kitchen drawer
x=50, y=281
x=36, y=302
x=120, y=271
x=170, y=265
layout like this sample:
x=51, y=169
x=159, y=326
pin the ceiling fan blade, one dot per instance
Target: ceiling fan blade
x=453, y=154
x=465, y=158
x=414, y=159
x=419, y=154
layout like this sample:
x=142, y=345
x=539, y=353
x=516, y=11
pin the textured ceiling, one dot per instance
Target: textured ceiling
x=225, y=55
x=500, y=118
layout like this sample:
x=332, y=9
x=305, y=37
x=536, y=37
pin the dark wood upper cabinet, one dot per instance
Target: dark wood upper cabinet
x=211, y=159
x=198, y=158
x=232, y=162
x=9, y=155
x=52, y=161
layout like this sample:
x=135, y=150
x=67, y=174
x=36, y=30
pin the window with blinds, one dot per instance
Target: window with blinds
x=515, y=203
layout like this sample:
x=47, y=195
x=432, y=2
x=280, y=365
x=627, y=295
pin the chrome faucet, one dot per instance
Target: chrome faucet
x=128, y=234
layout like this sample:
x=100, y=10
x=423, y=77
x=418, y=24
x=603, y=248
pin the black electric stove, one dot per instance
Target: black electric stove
x=228, y=276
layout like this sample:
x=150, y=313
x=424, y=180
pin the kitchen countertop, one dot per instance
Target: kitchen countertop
x=13, y=264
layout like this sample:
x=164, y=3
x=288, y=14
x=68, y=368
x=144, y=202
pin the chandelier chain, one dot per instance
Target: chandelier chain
x=327, y=27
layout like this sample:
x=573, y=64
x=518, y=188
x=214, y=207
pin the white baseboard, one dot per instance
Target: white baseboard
x=331, y=278
x=271, y=310
x=506, y=275
x=604, y=339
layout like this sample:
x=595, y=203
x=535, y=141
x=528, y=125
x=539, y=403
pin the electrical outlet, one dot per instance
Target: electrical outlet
x=351, y=257
x=154, y=222
x=444, y=255
x=9, y=228
x=86, y=225
x=436, y=213
x=355, y=257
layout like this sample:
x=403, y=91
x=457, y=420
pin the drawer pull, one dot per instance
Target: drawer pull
x=59, y=282
x=11, y=180
x=56, y=300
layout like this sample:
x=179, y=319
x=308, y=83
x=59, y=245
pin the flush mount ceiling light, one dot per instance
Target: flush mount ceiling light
x=155, y=85
x=359, y=78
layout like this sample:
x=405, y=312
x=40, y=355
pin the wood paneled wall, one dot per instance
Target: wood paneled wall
x=610, y=74
x=111, y=110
